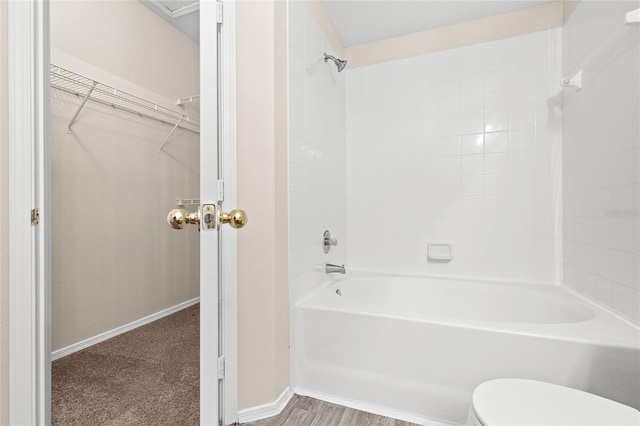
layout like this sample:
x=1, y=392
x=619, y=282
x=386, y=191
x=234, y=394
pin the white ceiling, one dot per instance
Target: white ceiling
x=170, y=11
x=176, y=5
x=364, y=21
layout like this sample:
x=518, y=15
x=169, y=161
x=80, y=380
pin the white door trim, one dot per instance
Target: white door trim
x=228, y=257
x=29, y=253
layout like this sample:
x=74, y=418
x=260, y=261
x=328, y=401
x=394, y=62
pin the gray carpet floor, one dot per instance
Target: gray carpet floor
x=147, y=376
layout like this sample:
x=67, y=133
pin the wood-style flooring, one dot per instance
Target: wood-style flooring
x=305, y=411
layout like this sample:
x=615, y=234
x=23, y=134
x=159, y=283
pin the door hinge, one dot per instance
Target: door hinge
x=220, y=190
x=221, y=367
x=219, y=12
x=35, y=217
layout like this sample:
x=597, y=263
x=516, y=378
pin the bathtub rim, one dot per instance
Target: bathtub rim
x=360, y=272
x=547, y=331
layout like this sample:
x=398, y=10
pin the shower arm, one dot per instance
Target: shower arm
x=339, y=63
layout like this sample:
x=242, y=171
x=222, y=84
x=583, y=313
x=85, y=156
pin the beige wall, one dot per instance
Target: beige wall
x=263, y=322
x=510, y=24
x=128, y=40
x=549, y=15
x=324, y=23
x=4, y=224
x=568, y=7
x=114, y=260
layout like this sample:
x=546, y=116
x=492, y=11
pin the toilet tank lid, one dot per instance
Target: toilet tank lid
x=509, y=402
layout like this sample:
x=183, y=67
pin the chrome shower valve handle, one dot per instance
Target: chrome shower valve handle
x=327, y=241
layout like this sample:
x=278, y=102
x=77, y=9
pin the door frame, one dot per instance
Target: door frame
x=228, y=243
x=29, y=250
x=29, y=188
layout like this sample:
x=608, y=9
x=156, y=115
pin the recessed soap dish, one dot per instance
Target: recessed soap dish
x=440, y=251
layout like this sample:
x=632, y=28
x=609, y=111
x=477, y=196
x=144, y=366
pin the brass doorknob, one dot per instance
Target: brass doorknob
x=236, y=218
x=179, y=218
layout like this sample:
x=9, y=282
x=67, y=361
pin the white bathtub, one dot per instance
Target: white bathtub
x=415, y=348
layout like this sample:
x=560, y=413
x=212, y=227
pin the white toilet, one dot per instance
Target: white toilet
x=511, y=402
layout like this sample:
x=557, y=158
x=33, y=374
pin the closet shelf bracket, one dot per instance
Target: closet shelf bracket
x=181, y=202
x=166, y=140
x=84, y=101
x=188, y=100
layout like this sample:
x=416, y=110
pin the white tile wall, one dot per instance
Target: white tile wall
x=602, y=159
x=465, y=146
x=317, y=187
x=457, y=146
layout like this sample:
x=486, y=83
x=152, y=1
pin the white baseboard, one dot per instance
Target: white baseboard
x=119, y=330
x=266, y=410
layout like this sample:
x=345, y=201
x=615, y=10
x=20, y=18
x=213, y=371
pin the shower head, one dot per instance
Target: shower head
x=339, y=62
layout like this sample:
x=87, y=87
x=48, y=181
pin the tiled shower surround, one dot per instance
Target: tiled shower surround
x=317, y=200
x=460, y=146
x=466, y=146
x=601, y=153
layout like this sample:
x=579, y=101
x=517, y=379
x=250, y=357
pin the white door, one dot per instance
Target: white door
x=209, y=259
x=217, y=184
x=29, y=245
x=217, y=171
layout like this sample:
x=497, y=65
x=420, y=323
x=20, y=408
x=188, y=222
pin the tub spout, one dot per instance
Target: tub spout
x=329, y=268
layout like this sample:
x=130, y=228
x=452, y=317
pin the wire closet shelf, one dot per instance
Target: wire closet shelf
x=95, y=91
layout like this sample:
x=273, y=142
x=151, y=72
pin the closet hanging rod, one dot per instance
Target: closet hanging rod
x=70, y=82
